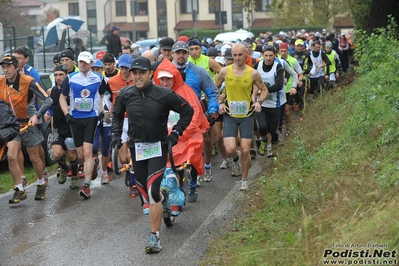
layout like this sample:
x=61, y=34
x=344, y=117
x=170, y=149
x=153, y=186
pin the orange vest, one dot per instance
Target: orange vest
x=116, y=83
x=19, y=98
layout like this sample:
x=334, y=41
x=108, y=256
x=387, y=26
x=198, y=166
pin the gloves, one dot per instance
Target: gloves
x=69, y=119
x=211, y=119
x=116, y=140
x=172, y=138
x=107, y=118
x=100, y=116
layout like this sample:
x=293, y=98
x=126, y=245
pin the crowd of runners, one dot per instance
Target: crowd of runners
x=235, y=98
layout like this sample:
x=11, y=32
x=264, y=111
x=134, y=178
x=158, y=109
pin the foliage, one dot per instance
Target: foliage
x=13, y=15
x=335, y=181
x=359, y=11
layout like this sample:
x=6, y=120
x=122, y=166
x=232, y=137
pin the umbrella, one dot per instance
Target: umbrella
x=54, y=29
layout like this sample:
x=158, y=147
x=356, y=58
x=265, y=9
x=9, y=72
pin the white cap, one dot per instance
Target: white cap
x=163, y=74
x=134, y=45
x=86, y=57
x=220, y=60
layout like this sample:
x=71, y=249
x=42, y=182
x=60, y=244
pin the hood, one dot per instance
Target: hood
x=166, y=65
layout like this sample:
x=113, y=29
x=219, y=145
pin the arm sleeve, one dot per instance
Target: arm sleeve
x=279, y=80
x=41, y=94
x=118, y=112
x=293, y=74
x=210, y=90
x=65, y=86
x=103, y=87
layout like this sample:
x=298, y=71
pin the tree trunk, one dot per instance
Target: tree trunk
x=379, y=11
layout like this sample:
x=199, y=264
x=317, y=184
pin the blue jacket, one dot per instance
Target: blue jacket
x=200, y=81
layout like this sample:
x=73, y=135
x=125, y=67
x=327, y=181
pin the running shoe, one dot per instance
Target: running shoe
x=74, y=182
x=85, y=191
x=154, y=244
x=146, y=208
x=104, y=178
x=45, y=176
x=244, y=185
x=225, y=164
x=252, y=153
x=269, y=151
x=236, y=166
x=81, y=172
x=134, y=192
x=40, y=192
x=262, y=148
x=95, y=168
x=192, y=194
x=208, y=174
x=24, y=181
x=62, y=176
x=200, y=178
x=18, y=196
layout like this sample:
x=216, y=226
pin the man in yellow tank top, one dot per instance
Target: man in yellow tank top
x=239, y=105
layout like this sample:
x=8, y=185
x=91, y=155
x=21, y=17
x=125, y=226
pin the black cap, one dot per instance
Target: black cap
x=108, y=58
x=180, y=45
x=142, y=63
x=166, y=43
x=212, y=51
x=62, y=68
x=228, y=54
x=67, y=53
x=56, y=58
x=248, y=40
x=9, y=59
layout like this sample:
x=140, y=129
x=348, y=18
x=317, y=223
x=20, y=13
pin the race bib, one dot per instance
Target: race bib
x=84, y=104
x=173, y=118
x=238, y=107
x=145, y=150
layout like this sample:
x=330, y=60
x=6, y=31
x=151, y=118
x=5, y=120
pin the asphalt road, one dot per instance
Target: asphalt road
x=110, y=228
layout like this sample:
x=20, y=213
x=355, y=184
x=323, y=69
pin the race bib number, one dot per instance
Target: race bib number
x=84, y=104
x=238, y=107
x=173, y=118
x=145, y=150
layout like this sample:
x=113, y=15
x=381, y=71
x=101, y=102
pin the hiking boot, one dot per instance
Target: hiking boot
x=104, y=178
x=81, y=173
x=62, y=176
x=236, y=166
x=24, y=182
x=95, y=169
x=85, y=191
x=192, y=194
x=18, y=196
x=208, y=174
x=146, y=208
x=244, y=185
x=40, y=192
x=269, y=151
x=262, y=148
x=74, y=182
x=154, y=244
x=225, y=164
x=45, y=177
x=134, y=192
x=252, y=153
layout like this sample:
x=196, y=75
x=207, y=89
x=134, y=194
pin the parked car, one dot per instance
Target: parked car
x=145, y=44
x=45, y=127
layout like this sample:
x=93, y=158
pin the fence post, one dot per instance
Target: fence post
x=31, y=49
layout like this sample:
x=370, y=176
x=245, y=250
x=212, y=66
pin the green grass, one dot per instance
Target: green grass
x=334, y=181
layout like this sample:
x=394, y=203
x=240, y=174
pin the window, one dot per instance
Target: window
x=237, y=15
x=263, y=5
x=73, y=9
x=214, y=5
x=186, y=6
x=120, y=7
x=91, y=16
x=140, y=8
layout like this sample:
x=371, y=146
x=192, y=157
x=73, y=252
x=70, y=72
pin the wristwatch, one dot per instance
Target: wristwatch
x=175, y=131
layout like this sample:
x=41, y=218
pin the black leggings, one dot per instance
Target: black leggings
x=268, y=121
x=149, y=174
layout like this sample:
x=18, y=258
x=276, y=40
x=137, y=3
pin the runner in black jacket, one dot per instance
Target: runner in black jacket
x=147, y=106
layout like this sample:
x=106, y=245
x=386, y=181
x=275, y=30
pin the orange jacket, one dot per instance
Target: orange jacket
x=190, y=144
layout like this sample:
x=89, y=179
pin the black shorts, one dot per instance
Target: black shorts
x=83, y=130
x=290, y=99
x=59, y=138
